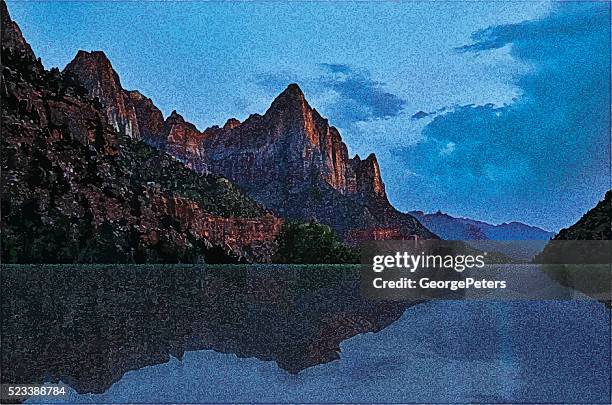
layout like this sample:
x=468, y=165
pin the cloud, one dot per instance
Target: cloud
x=364, y=97
x=420, y=114
x=346, y=94
x=448, y=149
x=337, y=68
x=545, y=158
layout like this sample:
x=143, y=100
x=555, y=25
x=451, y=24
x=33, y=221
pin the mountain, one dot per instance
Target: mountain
x=290, y=159
x=579, y=256
x=596, y=224
x=453, y=228
x=79, y=185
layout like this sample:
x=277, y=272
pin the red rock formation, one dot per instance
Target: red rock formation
x=290, y=159
x=95, y=72
x=231, y=124
x=149, y=118
x=133, y=114
x=71, y=174
x=183, y=141
x=369, y=184
x=360, y=235
x=11, y=35
x=252, y=238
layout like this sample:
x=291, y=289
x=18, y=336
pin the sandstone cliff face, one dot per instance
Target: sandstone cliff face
x=77, y=185
x=182, y=140
x=149, y=118
x=290, y=159
x=290, y=145
x=11, y=34
x=95, y=72
x=368, y=183
x=133, y=114
x=252, y=238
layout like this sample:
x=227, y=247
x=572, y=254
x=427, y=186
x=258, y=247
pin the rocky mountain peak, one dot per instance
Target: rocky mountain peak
x=98, y=57
x=290, y=104
x=293, y=91
x=95, y=71
x=12, y=38
x=231, y=123
x=94, y=66
x=135, y=95
x=294, y=162
x=149, y=118
x=182, y=140
x=177, y=119
x=175, y=116
x=369, y=181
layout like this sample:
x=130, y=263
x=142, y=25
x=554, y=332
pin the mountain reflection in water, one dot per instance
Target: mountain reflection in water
x=88, y=325
x=440, y=351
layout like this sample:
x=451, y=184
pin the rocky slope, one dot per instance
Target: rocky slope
x=596, y=224
x=289, y=159
x=78, y=185
x=580, y=256
x=586, y=240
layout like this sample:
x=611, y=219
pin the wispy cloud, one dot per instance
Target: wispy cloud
x=346, y=94
x=365, y=98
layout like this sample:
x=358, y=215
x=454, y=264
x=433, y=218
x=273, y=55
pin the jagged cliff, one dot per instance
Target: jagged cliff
x=289, y=159
x=78, y=185
x=292, y=161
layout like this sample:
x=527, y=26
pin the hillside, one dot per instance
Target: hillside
x=75, y=188
x=580, y=256
x=596, y=224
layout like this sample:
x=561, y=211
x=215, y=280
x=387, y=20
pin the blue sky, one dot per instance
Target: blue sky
x=516, y=94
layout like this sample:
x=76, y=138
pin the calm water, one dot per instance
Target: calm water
x=98, y=323
x=444, y=351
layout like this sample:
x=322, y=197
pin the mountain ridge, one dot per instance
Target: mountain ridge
x=519, y=224
x=80, y=186
x=530, y=240
x=289, y=159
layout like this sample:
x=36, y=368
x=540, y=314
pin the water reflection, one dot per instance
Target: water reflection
x=88, y=325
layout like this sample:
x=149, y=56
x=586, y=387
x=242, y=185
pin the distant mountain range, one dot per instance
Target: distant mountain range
x=453, y=228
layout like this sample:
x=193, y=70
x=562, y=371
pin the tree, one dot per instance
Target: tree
x=312, y=243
